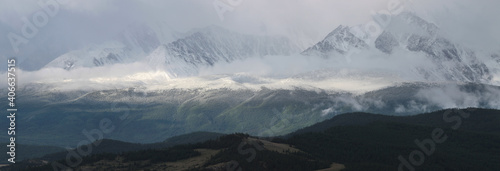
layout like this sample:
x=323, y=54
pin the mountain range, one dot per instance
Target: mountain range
x=406, y=35
x=251, y=85
x=411, y=34
x=175, y=98
x=187, y=101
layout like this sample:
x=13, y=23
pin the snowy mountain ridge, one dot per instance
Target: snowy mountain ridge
x=182, y=57
x=185, y=56
x=411, y=35
x=419, y=47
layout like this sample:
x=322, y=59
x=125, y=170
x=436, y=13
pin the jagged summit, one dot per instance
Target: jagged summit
x=184, y=56
x=406, y=34
x=340, y=40
x=215, y=44
x=409, y=34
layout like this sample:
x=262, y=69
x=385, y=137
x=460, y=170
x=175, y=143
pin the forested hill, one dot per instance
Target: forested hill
x=466, y=139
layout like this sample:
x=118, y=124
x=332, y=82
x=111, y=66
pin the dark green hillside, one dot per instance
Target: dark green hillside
x=480, y=120
x=378, y=145
x=50, y=153
x=226, y=151
x=466, y=139
x=116, y=147
x=366, y=142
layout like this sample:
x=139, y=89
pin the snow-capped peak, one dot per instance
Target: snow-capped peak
x=340, y=40
x=183, y=57
x=409, y=34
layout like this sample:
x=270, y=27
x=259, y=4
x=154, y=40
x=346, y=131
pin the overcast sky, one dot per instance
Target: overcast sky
x=186, y=14
x=81, y=22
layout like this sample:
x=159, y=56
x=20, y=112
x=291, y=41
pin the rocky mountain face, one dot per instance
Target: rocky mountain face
x=340, y=40
x=411, y=34
x=215, y=44
x=181, y=57
x=406, y=35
